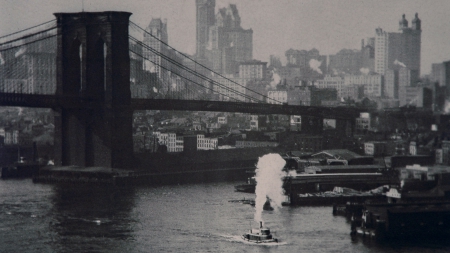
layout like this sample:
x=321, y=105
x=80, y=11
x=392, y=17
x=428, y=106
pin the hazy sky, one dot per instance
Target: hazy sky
x=328, y=25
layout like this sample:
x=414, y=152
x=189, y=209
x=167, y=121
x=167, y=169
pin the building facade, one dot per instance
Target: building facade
x=204, y=143
x=415, y=96
x=230, y=89
x=226, y=43
x=277, y=96
x=205, y=18
x=346, y=61
x=373, y=83
x=155, y=36
x=401, y=49
x=391, y=84
x=253, y=70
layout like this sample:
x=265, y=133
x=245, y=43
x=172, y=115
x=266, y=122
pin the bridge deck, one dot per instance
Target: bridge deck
x=53, y=101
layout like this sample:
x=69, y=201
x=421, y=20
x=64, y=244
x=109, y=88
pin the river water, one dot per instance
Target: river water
x=180, y=218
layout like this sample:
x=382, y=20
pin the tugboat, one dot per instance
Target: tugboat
x=259, y=235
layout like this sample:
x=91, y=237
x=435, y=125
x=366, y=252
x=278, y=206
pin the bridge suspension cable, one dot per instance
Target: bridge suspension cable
x=27, y=29
x=135, y=26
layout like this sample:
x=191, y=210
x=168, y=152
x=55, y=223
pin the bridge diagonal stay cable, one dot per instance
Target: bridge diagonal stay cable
x=212, y=71
x=190, y=70
x=183, y=77
x=183, y=67
x=164, y=81
x=180, y=75
x=193, y=71
x=186, y=56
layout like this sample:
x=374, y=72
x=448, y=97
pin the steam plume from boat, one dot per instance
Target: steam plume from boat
x=269, y=183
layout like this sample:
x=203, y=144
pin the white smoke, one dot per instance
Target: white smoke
x=397, y=62
x=2, y=61
x=276, y=79
x=314, y=65
x=21, y=51
x=149, y=66
x=447, y=107
x=365, y=71
x=269, y=183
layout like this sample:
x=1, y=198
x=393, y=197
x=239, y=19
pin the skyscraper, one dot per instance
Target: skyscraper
x=205, y=19
x=401, y=49
x=228, y=43
x=155, y=37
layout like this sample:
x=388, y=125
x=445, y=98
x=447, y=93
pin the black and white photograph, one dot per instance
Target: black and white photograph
x=225, y=126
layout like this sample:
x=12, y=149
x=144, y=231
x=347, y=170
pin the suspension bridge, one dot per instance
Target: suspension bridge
x=95, y=68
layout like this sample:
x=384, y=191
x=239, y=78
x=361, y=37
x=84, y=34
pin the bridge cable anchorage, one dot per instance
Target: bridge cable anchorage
x=184, y=76
x=189, y=70
x=186, y=56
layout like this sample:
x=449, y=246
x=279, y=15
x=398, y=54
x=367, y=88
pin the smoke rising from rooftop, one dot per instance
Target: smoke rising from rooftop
x=401, y=64
x=314, y=65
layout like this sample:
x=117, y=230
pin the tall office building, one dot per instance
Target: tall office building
x=155, y=37
x=400, y=49
x=205, y=19
x=228, y=43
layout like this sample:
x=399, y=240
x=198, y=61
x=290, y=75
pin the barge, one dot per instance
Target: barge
x=307, y=183
x=338, y=197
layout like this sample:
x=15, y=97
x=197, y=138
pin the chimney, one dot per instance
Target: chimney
x=260, y=224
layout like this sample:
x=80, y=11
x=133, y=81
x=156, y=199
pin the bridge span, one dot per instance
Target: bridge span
x=54, y=101
x=90, y=70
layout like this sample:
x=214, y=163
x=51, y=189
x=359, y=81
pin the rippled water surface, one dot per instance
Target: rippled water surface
x=181, y=218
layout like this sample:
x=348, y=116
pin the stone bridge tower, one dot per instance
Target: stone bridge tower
x=93, y=66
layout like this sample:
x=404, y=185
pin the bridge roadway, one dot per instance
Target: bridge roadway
x=53, y=101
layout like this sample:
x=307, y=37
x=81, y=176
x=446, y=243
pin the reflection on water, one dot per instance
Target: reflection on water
x=180, y=218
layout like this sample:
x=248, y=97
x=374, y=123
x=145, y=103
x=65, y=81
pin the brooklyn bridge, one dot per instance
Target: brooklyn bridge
x=95, y=81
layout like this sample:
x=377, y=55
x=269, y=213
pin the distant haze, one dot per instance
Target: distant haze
x=328, y=25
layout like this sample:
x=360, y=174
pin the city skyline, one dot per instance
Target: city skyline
x=328, y=26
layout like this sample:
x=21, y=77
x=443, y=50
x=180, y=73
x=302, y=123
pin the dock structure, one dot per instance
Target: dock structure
x=418, y=207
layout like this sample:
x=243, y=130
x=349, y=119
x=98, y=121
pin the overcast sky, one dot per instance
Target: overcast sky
x=328, y=25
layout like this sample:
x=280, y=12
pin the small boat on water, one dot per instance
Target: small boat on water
x=259, y=235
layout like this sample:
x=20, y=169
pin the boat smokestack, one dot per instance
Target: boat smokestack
x=260, y=224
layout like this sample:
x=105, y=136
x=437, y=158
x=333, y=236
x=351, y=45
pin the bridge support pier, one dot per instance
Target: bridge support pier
x=93, y=64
